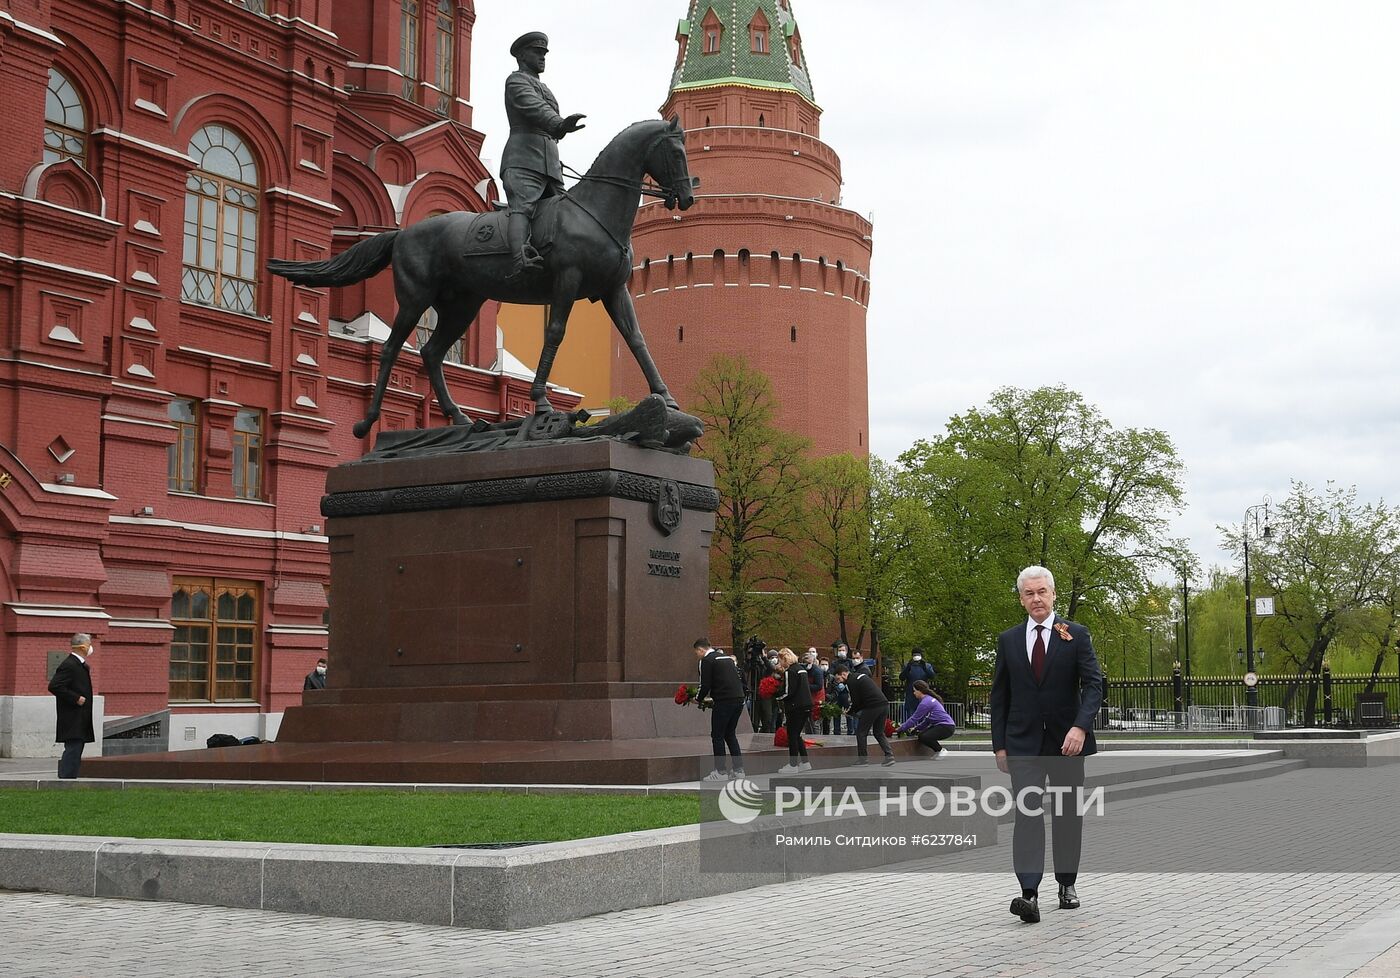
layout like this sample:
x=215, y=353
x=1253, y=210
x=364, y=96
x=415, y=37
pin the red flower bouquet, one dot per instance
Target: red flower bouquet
x=684, y=694
x=768, y=687
x=780, y=739
x=889, y=727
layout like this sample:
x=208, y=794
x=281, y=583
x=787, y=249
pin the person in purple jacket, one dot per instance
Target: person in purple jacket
x=930, y=721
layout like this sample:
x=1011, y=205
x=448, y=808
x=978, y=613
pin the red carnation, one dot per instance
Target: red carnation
x=780, y=738
x=768, y=687
x=682, y=694
x=889, y=727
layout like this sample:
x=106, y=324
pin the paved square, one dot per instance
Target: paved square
x=853, y=925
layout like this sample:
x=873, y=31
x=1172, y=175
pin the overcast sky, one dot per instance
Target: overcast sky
x=1188, y=211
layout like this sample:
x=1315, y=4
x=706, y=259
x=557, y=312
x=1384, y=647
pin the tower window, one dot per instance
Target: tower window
x=758, y=33
x=794, y=334
x=760, y=120
x=714, y=30
x=680, y=334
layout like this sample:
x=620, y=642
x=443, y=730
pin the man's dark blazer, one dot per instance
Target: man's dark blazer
x=1030, y=718
x=71, y=680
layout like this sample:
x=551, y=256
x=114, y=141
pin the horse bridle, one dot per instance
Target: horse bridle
x=668, y=193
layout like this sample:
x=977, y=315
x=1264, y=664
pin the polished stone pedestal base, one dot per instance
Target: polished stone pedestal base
x=654, y=760
x=517, y=616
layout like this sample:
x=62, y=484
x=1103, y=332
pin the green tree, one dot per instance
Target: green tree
x=858, y=526
x=1332, y=565
x=1077, y=495
x=836, y=533
x=1034, y=477
x=760, y=475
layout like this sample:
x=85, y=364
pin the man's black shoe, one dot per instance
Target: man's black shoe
x=1027, y=908
x=1069, y=900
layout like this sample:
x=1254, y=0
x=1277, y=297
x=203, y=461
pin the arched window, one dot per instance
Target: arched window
x=65, y=121
x=409, y=24
x=221, y=222
x=445, y=55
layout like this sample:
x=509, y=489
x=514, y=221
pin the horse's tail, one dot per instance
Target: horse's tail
x=355, y=264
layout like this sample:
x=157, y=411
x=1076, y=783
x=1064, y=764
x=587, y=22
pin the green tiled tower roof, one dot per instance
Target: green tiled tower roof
x=782, y=66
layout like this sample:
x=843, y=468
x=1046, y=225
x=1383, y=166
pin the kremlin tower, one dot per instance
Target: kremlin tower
x=767, y=265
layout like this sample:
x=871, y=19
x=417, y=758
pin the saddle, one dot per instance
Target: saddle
x=486, y=234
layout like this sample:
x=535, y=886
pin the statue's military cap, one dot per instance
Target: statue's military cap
x=534, y=39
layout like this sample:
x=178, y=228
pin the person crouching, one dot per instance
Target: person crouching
x=930, y=722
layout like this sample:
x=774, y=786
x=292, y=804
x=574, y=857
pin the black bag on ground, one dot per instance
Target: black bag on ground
x=222, y=740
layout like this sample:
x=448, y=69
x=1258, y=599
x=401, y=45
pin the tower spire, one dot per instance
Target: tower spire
x=748, y=43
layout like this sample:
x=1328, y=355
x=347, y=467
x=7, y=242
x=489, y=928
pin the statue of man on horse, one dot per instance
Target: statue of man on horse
x=551, y=248
x=530, y=167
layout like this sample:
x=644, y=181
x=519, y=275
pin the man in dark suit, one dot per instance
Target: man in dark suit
x=316, y=678
x=71, y=686
x=530, y=169
x=1046, y=691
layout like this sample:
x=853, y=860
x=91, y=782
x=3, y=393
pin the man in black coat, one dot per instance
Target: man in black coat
x=72, y=690
x=871, y=708
x=316, y=678
x=721, y=682
x=1046, y=691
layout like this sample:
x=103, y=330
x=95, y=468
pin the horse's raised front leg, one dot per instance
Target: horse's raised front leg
x=404, y=323
x=454, y=319
x=565, y=292
x=624, y=317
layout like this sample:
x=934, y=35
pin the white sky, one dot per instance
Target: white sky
x=1186, y=210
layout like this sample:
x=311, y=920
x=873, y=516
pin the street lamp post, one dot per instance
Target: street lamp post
x=1151, y=679
x=1125, y=676
x=1251, y=693
x=1186, y=628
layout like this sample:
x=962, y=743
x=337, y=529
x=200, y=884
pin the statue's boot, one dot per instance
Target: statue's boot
x=518, y=235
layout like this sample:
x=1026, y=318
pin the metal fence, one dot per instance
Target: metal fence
x=1222, y=703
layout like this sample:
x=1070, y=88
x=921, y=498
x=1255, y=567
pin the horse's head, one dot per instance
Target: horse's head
x=666, y=164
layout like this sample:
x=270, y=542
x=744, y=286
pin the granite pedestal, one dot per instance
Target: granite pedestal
x=519, y=615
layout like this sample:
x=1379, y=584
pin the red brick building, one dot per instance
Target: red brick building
x=767, y=264
x=168, y=411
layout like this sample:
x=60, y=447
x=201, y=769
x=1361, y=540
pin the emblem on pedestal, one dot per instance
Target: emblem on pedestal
x=666, y=511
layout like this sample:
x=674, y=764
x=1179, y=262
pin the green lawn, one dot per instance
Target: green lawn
x=374, y=818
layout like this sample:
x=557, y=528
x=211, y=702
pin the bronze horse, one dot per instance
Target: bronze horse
x=438, y=263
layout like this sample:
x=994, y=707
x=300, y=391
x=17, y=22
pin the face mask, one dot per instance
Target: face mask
x=918, y=658
x=321, y=670
x=773, y=662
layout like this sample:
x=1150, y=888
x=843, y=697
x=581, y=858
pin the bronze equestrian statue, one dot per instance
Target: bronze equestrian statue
x=455, y=262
